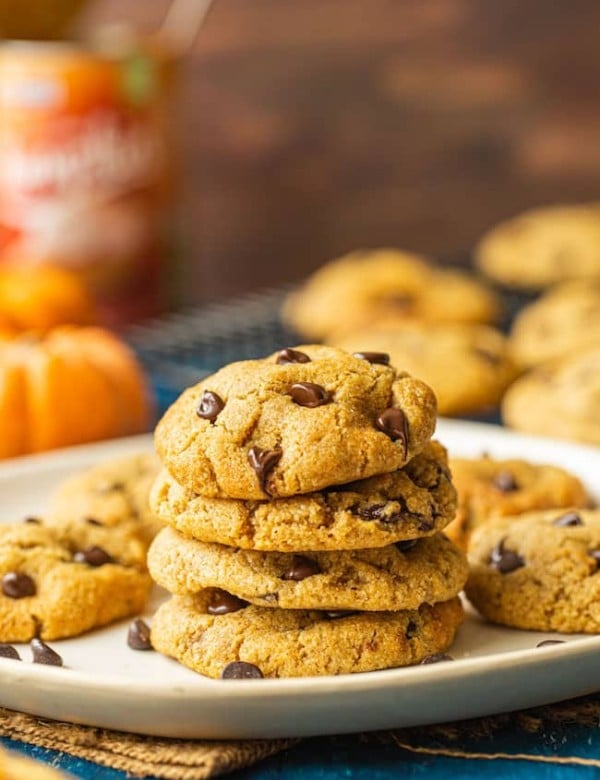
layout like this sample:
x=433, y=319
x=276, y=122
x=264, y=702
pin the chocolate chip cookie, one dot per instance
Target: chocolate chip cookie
x=564, y=320
x=489, y=488
x=467, y=366
x=249, y=641
x=401, y=576
x=52, y=588
x=295, y=422
x=540, y=571
x=111, y=495
x=543, y=246
x=366, y=287
x=16, y=767
x=560, y=398
x=418, y=500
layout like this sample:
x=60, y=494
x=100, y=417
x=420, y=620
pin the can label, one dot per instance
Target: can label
x=84, y=171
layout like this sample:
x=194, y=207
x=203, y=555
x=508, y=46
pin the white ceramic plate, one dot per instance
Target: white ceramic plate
x=107, y=684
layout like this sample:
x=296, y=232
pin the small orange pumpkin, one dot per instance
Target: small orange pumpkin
x=73, y=385
x=41, y=298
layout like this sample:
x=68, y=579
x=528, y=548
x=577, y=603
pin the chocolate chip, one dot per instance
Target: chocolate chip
x=505, y=560
x=569, y=519
x=595, y=555
x=291, y=356
x=93, y=521
x=138, y=635
x=336, y=614
x=221, y=602
x=406, y=544
x=548, y=642
x=393, y=423
x=505, y=482
x=301, y=568
x=308, y=394
x=210, y=407
x=435, y=658
x=373, y=357
x=17, y=585
x=43, y=654
x=411, y=629
x=93, y=556
x=8, y=651
x=32, y=520
x=240, y=670
x=263, y=462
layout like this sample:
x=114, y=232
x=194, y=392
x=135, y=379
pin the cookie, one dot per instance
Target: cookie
x=564, y=320
x=418, y=500
x=111, y=495
x=53, y=588
x=365, y=287
x=467, y=366
x=540, y=571
x=14, y=766
x=542, y=247
x=560, y=398
x=401, y=576
x=295, y=422
x=257, y=642
x=489, y=488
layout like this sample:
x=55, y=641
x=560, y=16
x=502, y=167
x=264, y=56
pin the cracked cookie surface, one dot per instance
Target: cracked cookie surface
x=539, y=571
x=489, y=488
x=299, y=643
x=402, y=576
x=295, y=422
x=52, y=587
x=418, y=500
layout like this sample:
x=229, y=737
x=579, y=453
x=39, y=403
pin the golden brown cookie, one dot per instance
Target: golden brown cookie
x=257, y=642
x=53, y=588
x=543, y=246
x=111, y=495
x=295, y=422
x=366, y=287
x=539, y=571
x=401, y=576
x=418, y=500
x=16, y=767
x=560, y=398
x=467, y=366
x=489, y=488
x=565, y=319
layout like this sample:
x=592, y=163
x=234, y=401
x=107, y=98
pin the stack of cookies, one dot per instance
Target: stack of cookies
x=304, y=501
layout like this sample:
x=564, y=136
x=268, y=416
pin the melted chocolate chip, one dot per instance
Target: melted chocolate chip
x=8, y=651
x=43, y=654
x=569, y=519
x=301, y=568
x=210, y=407
x=336, y=614
x=32, y=520
x=17, y=585
x=548, y=642
x=505, y=482
x=93, y=556
x=382, y=358
x=291, y=356
x=505, y=560
x=596, y=556
x=435, y=658
x=411, y=629
x=406, y=544
x=138, y=635
x=222, y=603
x=263, y=462
x=393, y=423
x=240, y=670
x=308, y=394
x=93, y=521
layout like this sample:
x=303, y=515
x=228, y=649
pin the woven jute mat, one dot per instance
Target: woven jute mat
x=520, y=735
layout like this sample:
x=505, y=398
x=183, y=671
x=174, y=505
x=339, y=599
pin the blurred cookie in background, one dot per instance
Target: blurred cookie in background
x=489, y=488
x=467, y=366
x=367, y=287
x=560, y=398
x=566, y=318
x=542, y=247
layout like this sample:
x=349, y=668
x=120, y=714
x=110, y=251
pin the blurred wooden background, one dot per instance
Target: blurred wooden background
x=311, y=127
